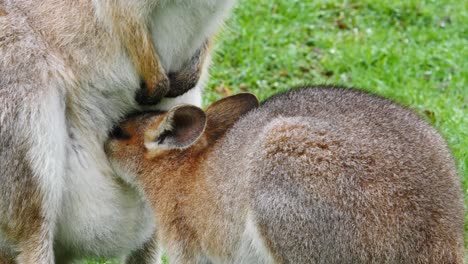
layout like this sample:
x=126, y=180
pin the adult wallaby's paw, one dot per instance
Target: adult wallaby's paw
x=152, y=92
x=188, y=76
x=182, y=81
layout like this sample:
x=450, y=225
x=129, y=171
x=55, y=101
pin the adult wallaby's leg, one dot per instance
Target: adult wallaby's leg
x=33, y=138
x=6, y=258
x=32, y=158
x=149, y=254
x=38, y=248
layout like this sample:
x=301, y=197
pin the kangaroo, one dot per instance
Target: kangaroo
x=314, y=175
x=69, y=70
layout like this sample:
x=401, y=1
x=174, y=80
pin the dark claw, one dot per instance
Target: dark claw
x=143, y=96
x=187, y=77
x=182, y=82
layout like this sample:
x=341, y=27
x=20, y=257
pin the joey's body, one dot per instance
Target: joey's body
x=68, y=71
x=319, y=175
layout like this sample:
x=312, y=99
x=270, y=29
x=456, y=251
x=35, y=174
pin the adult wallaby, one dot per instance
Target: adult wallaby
x=69, y=70
x=316, y=175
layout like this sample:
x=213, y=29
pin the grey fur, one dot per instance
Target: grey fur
x=359, y=180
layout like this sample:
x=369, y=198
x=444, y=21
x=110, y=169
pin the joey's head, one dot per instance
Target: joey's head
x=170, y=141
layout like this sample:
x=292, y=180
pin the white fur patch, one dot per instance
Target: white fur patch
x=193, y=97
x=104, y=217
x=47, y=154
x=181, y=27
x=253, y=248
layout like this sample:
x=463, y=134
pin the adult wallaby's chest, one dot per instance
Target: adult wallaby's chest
x=106, y=94
x=100, y=214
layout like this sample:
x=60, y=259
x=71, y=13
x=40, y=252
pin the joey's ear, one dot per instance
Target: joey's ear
x=224, y=113
x=179, y=129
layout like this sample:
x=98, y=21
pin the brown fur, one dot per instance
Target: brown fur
x=27, y=226
x=133, y=32
x=328, y=175
x=143, y=54
x=6, y=258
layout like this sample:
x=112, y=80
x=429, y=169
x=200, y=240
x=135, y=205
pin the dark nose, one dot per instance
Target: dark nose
x=118, y=133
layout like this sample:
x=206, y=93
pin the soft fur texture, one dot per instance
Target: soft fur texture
x=69, y=69
x=315, y=175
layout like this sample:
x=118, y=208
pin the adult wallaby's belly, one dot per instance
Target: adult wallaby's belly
x=101, y=214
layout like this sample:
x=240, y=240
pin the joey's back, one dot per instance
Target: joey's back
x=348, y=176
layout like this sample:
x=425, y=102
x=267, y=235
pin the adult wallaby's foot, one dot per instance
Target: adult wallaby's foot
x=38, y=249
x=6, y=257
x=150, y=253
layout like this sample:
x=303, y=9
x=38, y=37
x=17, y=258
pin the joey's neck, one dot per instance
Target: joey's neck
x=185, y=188
x=187, y=181
x=207, y=198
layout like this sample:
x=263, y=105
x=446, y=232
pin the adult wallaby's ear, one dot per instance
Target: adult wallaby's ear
x=224, y=113
x=179, y=129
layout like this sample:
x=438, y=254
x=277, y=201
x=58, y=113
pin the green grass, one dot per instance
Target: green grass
x=414, y=52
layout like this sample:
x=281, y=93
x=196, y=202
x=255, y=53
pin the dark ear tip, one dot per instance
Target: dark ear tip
x=190, y=110
x=250, y=99
x=244, y=101
x=190, y=122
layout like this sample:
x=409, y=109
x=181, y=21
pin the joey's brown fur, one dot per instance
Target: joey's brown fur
x=315, y=175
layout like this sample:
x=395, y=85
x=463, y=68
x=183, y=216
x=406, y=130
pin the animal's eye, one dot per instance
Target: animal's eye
x=119, y=133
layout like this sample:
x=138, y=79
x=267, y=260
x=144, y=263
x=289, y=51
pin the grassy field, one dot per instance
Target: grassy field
x=414, y=52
